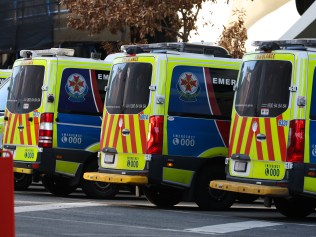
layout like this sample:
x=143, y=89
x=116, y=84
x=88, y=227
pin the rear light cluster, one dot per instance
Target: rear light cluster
x=155, y=135
x=295, y=150
x=46, y=130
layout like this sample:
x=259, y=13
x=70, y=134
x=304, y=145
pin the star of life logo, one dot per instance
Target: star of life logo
x=188, y=86
x=76, y=87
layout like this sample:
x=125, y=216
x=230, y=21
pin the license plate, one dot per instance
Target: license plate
x=109, y=158
x=240, y=166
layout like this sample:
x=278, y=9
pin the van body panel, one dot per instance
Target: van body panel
x=73, y=90
x=25, y=104
x=127, y=132
x=194, y=94
x=261, y=116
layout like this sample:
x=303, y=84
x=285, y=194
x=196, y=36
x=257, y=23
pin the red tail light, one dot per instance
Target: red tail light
x=155, y=135
x=46, y=130
x=295, y=150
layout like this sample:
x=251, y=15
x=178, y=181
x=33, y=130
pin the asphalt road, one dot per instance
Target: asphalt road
x=38, y=213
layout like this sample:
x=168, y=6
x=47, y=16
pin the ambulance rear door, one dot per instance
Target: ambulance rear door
x=128, y=108
x=261, y=117
x=24, y=106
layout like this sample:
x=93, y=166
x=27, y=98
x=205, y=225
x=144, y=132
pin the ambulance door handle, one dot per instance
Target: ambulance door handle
x=261, y=137
x=125, y=132
x=6, y=118
x=30, y=119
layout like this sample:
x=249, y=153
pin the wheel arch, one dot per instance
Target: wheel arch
x=212, y=163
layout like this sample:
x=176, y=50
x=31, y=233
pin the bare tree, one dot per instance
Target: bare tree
x=175, y=18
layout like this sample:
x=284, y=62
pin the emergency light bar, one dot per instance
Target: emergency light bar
x=47, y=52
x=286, y=44
x=178, y=47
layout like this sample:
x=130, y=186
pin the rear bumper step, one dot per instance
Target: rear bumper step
x=115, y=178
x=256, y=189
x=22, y=170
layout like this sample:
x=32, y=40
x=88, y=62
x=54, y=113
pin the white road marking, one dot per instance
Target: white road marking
x=232, y=227
x=55, y=206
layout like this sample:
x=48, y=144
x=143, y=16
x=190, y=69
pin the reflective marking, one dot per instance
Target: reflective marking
x=54, y=206
x=232, y=227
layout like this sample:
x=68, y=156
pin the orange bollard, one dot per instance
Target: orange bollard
x=6, y=194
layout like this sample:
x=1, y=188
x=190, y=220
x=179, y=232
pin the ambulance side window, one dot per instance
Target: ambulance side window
x=202, y=92
x=313, y=103
x=82, y=91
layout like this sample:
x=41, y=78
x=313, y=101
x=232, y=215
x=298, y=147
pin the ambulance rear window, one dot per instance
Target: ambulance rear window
x=25, y=91
x=128, y=91
x=263, y=88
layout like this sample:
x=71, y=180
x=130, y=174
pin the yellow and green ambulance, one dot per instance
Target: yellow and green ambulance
x=272, y=151
x=166, y=122
x=53, y=120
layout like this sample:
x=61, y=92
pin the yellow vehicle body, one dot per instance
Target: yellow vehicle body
x=167, y=122
x=53, y=118
x=272, y=141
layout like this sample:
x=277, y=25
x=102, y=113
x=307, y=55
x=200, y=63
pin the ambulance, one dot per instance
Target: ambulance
x=272, y=151
x=4, y=84
x=53, y=120
x=166, y=122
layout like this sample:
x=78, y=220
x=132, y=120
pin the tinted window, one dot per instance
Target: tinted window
x=263, y=88
x=202, y=92
x=128, y=91
x=82, y=91
x=25, y=91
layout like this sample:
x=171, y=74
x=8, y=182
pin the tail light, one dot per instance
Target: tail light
x=46, y=130
x=295, y=150
x=155, y=135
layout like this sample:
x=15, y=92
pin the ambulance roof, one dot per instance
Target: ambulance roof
x=177, y=47
x=293, y=44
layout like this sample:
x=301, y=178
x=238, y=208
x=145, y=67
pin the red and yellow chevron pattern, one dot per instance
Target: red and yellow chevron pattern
x=243, y=139
x=26, y=136
x=112, y=133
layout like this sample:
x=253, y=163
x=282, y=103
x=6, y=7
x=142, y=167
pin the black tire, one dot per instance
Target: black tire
x=208, y=198
x=22, y=181
x=295, y=207
x=95, y=189
x=57, y=185
x=246, y=198
x=163, y=197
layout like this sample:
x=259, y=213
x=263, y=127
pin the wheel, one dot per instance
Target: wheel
x=95, y=189
x=22, y=181
x=208, y=198
x=161, y=196
x=295, y=207
x=246, y=198
x=57, y=185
